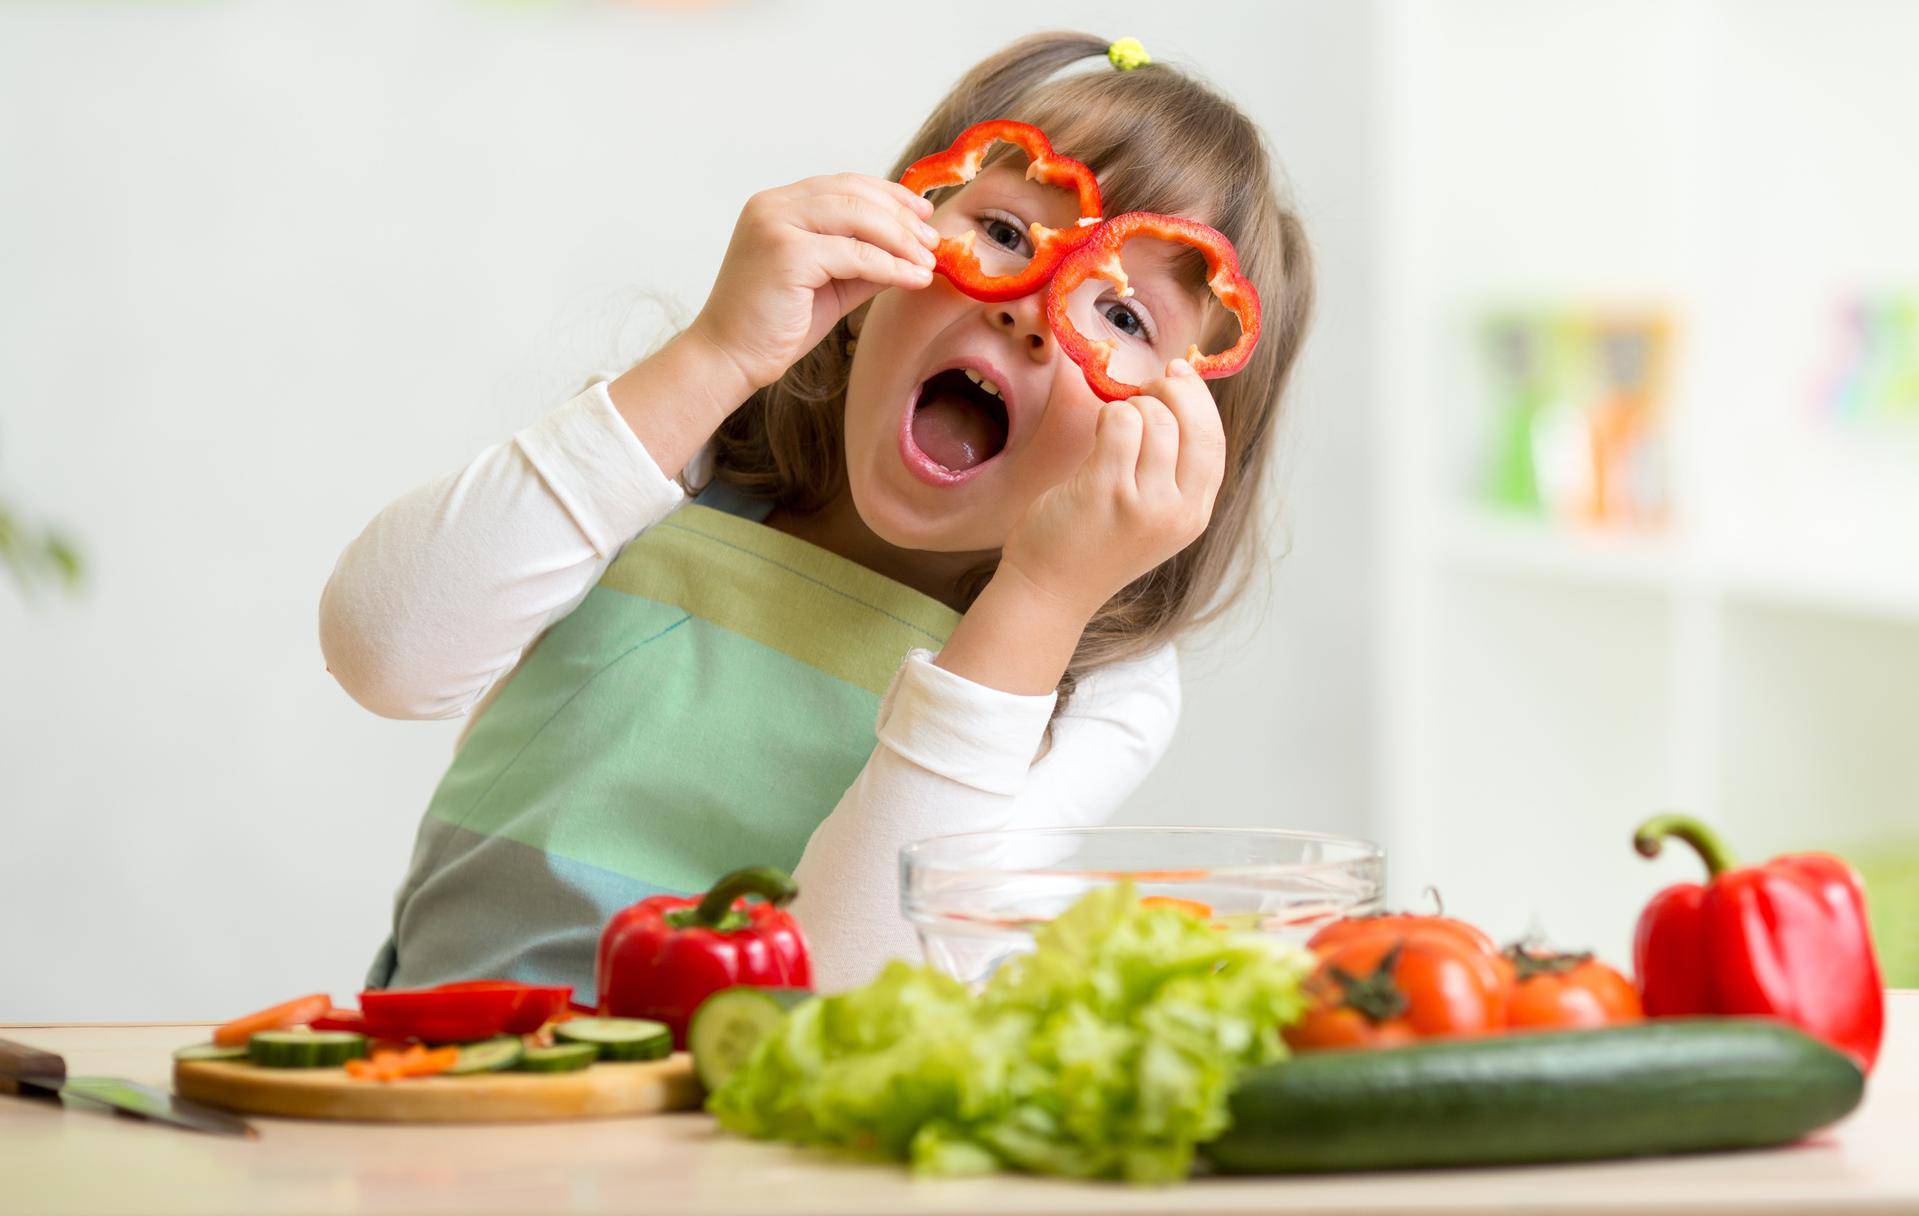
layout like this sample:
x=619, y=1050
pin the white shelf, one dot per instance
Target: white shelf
x=1513, y=545
x=1544, y=686
x=1800, y=577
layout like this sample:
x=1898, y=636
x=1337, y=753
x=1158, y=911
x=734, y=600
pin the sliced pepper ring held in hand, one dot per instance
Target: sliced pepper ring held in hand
x=955, y=258
x=1099, y=258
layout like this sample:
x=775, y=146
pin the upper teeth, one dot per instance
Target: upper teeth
x=982, y=381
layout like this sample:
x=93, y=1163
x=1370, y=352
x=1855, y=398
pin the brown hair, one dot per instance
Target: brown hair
x=1159, y=141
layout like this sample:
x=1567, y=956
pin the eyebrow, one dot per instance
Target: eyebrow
x=1168, y=301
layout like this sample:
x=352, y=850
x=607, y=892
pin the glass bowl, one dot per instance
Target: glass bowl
x=975, y=898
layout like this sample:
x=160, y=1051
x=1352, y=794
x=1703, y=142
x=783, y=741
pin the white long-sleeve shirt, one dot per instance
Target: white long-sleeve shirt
x=429, y=610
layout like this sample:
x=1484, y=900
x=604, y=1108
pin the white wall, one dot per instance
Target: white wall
x=266, y=266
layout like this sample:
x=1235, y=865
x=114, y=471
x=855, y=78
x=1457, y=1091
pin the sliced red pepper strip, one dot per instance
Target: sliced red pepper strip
x=475, y=1009
x=1099, y=258
x=955, y=258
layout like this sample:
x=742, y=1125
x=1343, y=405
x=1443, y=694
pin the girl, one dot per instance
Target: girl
x=927, y=582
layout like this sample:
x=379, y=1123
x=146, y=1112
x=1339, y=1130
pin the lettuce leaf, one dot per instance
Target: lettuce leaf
x=1108, y=1052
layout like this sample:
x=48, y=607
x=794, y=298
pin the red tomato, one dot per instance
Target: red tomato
x=1398, y=924
x=1383, y=990
x=1568, y=992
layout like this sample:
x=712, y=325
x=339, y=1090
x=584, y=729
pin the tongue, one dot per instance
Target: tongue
x=955, y=432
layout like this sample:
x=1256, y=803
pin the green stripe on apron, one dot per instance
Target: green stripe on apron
x=704, y=708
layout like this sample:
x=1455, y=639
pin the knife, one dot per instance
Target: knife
x=33, y=1073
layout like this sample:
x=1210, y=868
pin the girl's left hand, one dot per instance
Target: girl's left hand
x=1144, y=494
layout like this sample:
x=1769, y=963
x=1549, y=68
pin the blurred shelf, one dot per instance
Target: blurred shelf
x=1885, y=593
x=1511, y=544
x=1843, y=585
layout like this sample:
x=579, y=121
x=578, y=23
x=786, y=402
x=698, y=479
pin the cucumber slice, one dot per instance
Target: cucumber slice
x=210, y=1051
x=619, y=1038
x=729, y=1024
x=562, y=1057
x=488, y=1055
x=305, y=1048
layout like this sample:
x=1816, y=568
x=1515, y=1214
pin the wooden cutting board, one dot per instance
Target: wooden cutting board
x=601, y=1091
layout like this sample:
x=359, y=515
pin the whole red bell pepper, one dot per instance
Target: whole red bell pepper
x=663, y=956
x=1787, y=939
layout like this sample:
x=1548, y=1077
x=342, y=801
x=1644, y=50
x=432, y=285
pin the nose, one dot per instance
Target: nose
x=1023, y=321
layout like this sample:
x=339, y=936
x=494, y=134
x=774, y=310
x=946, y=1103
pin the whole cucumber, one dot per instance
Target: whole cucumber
x=1671, y=1085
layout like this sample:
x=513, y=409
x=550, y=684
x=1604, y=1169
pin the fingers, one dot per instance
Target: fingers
x=902, y=235
x=846, y=257
x=1158, y=447
x=1116, y=439
x=1200, y=464
x=877, y=189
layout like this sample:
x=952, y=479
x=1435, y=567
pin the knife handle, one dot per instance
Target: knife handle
x=29, y=1070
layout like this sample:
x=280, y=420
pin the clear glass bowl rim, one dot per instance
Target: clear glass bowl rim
x=916, y=856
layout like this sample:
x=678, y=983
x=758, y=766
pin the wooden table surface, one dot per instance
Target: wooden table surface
x=61, y=1160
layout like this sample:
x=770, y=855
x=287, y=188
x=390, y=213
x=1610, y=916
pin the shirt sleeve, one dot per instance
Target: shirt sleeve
x=449, y=585
x=956, y=756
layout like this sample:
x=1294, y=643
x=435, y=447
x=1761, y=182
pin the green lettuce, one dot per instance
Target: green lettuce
x=1108, y=1052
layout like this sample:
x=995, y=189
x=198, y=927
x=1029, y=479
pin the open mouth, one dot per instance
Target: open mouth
x=958, y=421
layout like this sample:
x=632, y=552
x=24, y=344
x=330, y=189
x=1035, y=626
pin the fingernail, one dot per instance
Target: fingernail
x=925, y=256
x=929, y=234
x=1179, y=367
x=923, y=205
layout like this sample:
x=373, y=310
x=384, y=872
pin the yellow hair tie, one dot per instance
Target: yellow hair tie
x=1128, y=54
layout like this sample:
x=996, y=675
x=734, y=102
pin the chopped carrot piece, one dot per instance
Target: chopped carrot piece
x=1191, y=907
x=291, y=1013
x=415, y=1061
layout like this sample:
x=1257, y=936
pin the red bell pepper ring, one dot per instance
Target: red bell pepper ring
x=955, y=257
x=1787, y=939
x=663, y=956
x=461, y=1012
x=1099, y=258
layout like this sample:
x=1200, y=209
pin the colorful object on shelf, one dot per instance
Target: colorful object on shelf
x=1578, y=400
x=956, y=258
x=1100, y=258
x=664, y=955
x=1874, y=380
x=1786, y=939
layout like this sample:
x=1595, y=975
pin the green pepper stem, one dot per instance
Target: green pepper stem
x=1712, y=850
x=776, y=887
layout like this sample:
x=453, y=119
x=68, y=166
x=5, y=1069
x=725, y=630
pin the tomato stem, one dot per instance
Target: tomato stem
x=1375, y=995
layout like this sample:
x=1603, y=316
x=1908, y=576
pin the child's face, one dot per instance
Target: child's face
x=938, y=463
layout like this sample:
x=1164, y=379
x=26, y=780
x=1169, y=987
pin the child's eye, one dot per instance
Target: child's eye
x=1006, y=232
x=1127, y=319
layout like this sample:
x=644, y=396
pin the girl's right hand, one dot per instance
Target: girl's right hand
x=805, y=255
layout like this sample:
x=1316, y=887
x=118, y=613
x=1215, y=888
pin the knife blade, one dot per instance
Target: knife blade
x=30, y=1072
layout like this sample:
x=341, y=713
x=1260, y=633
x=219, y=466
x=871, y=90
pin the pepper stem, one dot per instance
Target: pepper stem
x=1712, y=850
x=776, y=887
